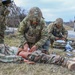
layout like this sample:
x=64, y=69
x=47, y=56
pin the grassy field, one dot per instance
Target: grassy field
x=36, y=69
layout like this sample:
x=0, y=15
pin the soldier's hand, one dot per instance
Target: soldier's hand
x=63, y=39
x=33, y=48
x=65, y=36
x=56, y=38
x=19, y=50
x=26, y=47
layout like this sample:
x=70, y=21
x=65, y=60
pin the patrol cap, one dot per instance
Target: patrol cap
x=35, y=12
x=59, y=21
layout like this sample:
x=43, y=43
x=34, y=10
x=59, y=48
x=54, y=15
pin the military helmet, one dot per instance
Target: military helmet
x=59, y=21
x=6, y=1
x=35, y=12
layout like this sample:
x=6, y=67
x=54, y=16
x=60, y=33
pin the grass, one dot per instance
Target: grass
x=36, y=69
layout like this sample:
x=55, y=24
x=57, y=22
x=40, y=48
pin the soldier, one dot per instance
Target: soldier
x=3, y=13
x=57, y=31
x=33, y=31
x=39, y=57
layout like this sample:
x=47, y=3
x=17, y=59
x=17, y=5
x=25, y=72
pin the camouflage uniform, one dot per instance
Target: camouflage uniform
x=38, y=56
x=3, y=13
x=55, y=32
x=33, y=34
x=8, y=55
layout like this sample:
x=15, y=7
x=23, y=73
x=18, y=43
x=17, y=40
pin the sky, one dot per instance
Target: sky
x=51, y=9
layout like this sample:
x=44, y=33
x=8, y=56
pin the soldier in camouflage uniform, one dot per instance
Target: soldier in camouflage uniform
x=3, y=13
x=33, y=31
x=5, y=54
x=57, y=31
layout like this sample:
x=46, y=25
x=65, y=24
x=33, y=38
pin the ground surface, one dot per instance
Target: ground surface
x=37, y=69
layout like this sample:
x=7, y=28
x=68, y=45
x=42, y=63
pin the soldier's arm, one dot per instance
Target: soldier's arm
x=44, y=36
x=3, y=13
x=21, y=31
x=65, y=33
x=50, y=30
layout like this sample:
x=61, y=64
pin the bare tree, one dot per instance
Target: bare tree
x=16, y=15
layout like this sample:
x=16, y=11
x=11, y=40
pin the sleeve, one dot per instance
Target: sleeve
x=21, y=31
x=44, y=36
x=65, y=33
x=50, y=30
x=4, y=11
x=2, y=17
